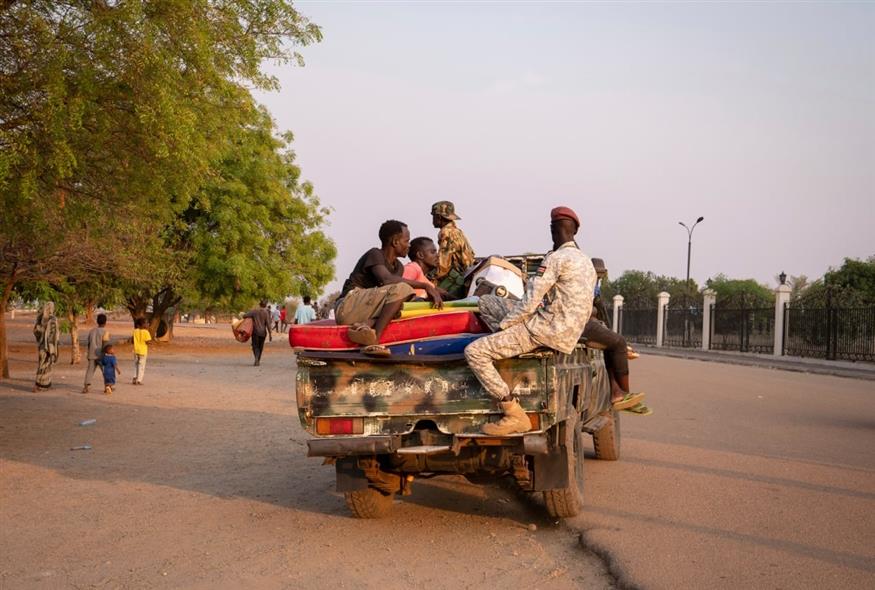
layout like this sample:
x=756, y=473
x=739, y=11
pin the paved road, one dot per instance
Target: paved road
x=744, y=477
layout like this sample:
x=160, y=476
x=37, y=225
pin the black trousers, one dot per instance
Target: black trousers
x=257, y=346
x=615, y=354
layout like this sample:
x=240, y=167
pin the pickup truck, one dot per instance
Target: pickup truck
x=384, y=422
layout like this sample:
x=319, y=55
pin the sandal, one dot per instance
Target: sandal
x=627, y=401
x=362, y=334
x=376, y=350
x=639, y=409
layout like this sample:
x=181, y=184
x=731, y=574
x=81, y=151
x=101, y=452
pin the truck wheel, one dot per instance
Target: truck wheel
x=369, y=503
x=606, y=441
x=567, y=502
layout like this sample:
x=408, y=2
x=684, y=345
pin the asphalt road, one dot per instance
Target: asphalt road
x=743, y=478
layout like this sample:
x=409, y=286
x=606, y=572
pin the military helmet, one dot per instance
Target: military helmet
x=445, y=209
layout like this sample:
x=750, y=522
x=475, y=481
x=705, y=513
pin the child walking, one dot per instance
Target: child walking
x=110, y=368
x=141, y=349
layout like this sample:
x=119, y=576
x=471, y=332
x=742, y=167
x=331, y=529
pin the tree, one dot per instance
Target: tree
x=110, y=109
x=851, y=285
x=640, y=289
x=251, y=232
x=741, y=293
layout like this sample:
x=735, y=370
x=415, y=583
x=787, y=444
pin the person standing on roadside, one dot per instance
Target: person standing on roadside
x=261, y=324
x=305, y=312
x=45, y=330
x=141, y=349
x=97, y=337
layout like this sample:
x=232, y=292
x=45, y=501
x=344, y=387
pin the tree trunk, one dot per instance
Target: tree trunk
x=75, y=352
x=89, y=314
x=4, y=301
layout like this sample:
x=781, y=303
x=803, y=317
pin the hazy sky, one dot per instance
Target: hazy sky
x=759, y=117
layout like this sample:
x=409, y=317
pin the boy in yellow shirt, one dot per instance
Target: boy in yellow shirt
x=141, y=349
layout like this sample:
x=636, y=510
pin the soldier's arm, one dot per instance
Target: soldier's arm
x=445, y=254
x=534, y=295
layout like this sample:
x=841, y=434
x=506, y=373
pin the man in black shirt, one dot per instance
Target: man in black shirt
x=260, y=329
x=376, y=290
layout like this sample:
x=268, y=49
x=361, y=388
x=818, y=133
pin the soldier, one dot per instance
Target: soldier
x=454, y=252
x=552, y=313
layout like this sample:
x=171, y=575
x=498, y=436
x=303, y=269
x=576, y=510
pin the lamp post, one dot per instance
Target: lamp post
x=690, y=243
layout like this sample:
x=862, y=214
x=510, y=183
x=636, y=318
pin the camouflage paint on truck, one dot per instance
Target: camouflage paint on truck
x=392, y=397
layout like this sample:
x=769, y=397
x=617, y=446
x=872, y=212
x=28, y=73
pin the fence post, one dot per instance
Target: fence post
x=618, y=303
x=662, y=302
x=782, y=297
x=710, y=298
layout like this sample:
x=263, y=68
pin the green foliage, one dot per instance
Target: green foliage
x=741, y=293
x=851, y=285
x=640, y=290
x=253, y=230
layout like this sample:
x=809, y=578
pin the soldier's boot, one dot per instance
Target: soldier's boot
x=514, y=421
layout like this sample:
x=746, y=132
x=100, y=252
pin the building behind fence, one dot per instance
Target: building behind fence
x=832, y=333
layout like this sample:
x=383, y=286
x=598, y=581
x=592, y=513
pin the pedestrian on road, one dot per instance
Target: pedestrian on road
x=45, y=330
x=283, y=323
x=305, y=313
x=261, y=321
x=275, y=318
x=97, y=337
x=110, y=368
x=141, y=350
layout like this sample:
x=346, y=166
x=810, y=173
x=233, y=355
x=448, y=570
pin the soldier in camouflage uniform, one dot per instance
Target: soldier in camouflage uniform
x=454, y=252
x=553, y=312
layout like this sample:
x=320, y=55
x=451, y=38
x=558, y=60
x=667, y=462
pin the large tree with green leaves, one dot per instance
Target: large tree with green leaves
x=109, y=115
x=252, y=231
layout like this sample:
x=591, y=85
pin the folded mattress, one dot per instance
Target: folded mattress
x=327, y=335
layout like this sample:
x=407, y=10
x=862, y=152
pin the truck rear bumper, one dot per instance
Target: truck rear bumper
x=341, y=447
x=530, y=444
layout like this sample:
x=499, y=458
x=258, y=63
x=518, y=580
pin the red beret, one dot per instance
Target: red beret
x=564, y=213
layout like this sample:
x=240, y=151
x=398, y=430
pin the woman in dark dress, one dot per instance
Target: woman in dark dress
x=46, y=333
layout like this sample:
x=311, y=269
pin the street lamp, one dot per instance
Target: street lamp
x=690, y=244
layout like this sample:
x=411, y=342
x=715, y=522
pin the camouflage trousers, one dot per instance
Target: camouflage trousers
x=503, y=344
x=493, y=309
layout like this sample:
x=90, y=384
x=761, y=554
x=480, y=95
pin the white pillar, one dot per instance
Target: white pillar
x=782, y=297
x=661, y=302
x=618, y=303
x=710, y=297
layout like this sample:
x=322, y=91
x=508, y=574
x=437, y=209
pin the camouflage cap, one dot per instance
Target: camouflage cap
x=445, y=209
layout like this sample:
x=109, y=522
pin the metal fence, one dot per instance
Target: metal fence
x=743, y=330
x=638, y=325
x=682, y=327
x=830, y=333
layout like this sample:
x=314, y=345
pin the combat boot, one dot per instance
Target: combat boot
x=514, y=421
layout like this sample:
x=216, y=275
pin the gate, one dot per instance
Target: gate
x=682, y=327
x=638, y=325
x=743, y=329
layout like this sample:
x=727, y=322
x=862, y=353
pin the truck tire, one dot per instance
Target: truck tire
x=369, y=503
x=606, y=441
x=567, y=502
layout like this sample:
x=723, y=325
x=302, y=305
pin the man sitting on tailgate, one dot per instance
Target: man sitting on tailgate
x=376, y=289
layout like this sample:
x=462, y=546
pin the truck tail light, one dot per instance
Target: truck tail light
x=340, y=425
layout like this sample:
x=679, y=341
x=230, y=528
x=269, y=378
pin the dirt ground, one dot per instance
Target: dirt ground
x=199, y=479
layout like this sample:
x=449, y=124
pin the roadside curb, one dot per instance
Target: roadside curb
x=864, y=371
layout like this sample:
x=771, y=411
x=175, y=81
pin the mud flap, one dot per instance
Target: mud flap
x=551, y=470
x=349, y=476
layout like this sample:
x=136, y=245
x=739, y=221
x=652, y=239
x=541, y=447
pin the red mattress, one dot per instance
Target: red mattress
x=326, y=335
